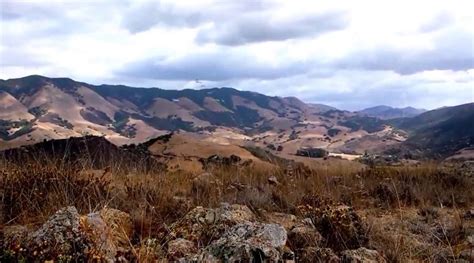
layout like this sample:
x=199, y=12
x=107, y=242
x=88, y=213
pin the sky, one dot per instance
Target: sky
x=347, y=54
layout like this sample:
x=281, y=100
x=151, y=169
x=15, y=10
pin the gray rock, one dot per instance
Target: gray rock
x=248, y=242
x=180, y=248
x=203, y=225
x=60, y=235
x=302, y=236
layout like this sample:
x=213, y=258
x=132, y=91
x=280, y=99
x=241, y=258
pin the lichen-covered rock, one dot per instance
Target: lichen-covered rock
x=108, y=234
x=99, y=237
x=361, y=255
x=68, y=236
x=288, y=221
x=316, y=254
x=202, y=225
x=303, y=235
x=340, y=225
x=59, y=238
x=247, y=242
x=180, y=248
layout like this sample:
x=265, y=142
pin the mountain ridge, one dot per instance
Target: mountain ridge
x=41, y=108
x=389, y=112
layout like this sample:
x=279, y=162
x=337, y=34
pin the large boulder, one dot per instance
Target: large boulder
x=180, y=248
x=247, y=242
x=361, y=255
x=203, y=225
x=288, y=221
x=340, y=225
x=68, y=236
x=60, y=236
x=304, y=235
x=108, y=233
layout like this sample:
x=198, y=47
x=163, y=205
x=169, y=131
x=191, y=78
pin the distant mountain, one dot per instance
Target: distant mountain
x=321, y=107
x=35, y=108
x=440, y=132
x=387, y=112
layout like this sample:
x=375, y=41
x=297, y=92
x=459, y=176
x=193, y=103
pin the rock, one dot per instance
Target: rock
x=202, y=225
x=340, y=225
x=316, y=254
x=361, y=255
x=288, y=221
x=248, y=242
x=205, y=184
x=302, y=236
x=273, y=180
x=180, y=248
x=100, y=239
x=60, y=235
x=67, y=236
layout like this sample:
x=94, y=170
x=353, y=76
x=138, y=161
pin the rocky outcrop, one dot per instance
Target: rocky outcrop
x=340, y=225
x=60, y=235
x=247, y=242
x=202, y=225
x=180, y=248
x=68, y=236
x=228, y=233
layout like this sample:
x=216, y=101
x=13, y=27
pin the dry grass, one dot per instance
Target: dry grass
x=33, y=190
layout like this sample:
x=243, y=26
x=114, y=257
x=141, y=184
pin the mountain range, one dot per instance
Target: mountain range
x=387, y=112
x=37, y=108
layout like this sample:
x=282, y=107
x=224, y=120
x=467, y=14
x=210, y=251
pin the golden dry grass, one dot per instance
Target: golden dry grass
x=33, y=190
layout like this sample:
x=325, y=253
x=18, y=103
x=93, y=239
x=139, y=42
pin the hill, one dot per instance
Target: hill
x=387, y=112
x=441, y=132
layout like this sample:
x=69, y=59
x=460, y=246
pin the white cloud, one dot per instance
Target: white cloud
x=276, y=47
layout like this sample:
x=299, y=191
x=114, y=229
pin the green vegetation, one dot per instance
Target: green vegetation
x=333, y=132
x=368, y=124
x=5, y=126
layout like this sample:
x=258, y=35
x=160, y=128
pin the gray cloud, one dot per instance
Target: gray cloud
x=213, y=66
x=261, y=28
x=453, y=51
x=151, y=13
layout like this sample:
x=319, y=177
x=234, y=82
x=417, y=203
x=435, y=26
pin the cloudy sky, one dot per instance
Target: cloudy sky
x=348, y=54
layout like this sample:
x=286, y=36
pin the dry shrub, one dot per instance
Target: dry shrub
x=34, y=189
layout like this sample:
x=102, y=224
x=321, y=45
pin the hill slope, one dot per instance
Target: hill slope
x=441, y=132
x=387, y=112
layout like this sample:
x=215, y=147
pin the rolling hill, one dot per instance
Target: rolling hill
x=37, y=108
x=387, y=112
x=440, y=132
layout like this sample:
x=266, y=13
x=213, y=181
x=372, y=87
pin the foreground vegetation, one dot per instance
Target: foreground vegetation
x=421, y=212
